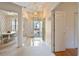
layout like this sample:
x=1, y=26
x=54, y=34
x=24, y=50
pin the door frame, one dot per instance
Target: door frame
x=43, y=27
x=53, y=31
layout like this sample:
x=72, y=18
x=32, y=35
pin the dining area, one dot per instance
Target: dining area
x=7, y=37
x=8, y=30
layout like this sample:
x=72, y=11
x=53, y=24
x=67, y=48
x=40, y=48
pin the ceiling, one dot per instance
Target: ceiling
x=40, y=9
x=3, y=12
x=37, y=6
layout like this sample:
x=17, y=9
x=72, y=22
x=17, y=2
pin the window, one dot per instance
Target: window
x=14, y=24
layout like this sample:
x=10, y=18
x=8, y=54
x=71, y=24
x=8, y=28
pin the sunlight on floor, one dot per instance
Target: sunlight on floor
x=36, y=41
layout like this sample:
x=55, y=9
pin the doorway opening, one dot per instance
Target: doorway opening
x=8, y=28
x=38, y=32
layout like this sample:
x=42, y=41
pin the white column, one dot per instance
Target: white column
x=20, y=29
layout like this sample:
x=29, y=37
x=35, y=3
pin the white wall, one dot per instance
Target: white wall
x=18, y=9
x=65, y=30
x=2, y=23
x=9, y=22
x=78, y=29
x=6, y=23
x=48, y=31
x=59, y=31
x=27, y=27
x=70, y=29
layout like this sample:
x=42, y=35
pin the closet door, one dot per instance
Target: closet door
x=70, y=30
x=59, y=31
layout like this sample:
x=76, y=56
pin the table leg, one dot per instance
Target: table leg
x=8, y=37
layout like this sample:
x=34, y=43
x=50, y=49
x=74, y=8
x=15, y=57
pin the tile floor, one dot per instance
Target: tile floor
x=27, y=49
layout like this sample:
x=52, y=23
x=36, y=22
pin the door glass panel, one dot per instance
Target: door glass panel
x=37, y=31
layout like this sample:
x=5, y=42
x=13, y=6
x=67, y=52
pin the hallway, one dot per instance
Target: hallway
x=38, y=30
x=27, y=50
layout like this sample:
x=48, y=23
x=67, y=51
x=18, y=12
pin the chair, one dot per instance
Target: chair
x=0, y=38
